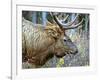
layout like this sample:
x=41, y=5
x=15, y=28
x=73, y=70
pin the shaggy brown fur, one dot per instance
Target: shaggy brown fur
x=38, y=44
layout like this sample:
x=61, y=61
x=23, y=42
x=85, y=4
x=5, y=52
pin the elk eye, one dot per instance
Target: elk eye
x=65, y=40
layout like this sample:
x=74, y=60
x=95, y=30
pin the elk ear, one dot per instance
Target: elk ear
x=53, y=34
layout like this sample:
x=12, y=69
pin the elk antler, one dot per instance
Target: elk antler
x=66, y=26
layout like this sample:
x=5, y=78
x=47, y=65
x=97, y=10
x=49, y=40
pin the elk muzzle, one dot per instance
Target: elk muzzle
x=70, y=47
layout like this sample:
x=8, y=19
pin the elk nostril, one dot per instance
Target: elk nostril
x=76, y=52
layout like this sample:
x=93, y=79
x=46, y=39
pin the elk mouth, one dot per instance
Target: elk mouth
x=60, y=55
x=74, y=52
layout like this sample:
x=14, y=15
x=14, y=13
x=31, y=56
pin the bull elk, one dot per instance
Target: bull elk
x=40, y=44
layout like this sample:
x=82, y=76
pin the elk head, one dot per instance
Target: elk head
x=64, y=45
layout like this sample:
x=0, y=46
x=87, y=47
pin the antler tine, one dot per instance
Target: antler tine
x=56, y=19
x=69, y=23
x=63, y=20
x=74, y=26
